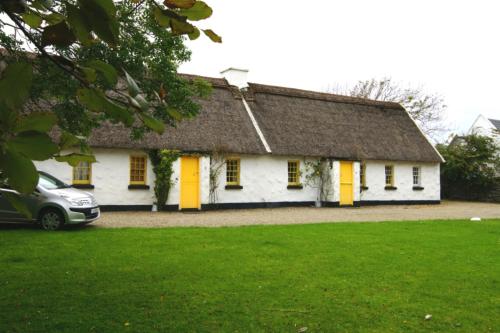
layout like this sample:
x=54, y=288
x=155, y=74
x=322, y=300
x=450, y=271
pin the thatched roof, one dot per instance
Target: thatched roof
x=306, y=123
x=222, y=124
x=294, y=122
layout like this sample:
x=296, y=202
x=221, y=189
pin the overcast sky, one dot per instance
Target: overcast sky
x=449, y=47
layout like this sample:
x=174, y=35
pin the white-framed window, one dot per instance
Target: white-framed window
x=416, y=176
x=389, y=175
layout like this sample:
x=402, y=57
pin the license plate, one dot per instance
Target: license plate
x=94, y=211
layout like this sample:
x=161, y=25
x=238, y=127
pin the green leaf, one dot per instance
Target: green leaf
x=199, y=11
x=89, y=73
x=161, y=18
x=181, y=28
x=20, y=172
x=54, y=18
x=73, y=159
x=58, y=35
x=79, y=24
x=33, y=145
x=108, y=71
x=174, y=113
x=195, y=34
x=153, y=123
x=185, y=4
x=133, y=88
x=42, y=4
x=101, y=15
x=15, y=84
x=32, y=19
x=16, y=201
x=213, y=36
x=96, y=101
x=144, y=105
x=37, y=121
x=68, y=140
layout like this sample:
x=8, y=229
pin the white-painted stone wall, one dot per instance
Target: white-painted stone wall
x=263, y=177
x=403, y=180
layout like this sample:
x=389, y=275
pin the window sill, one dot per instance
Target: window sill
x=390, y=188
x=417, y=188
x=83, y=186
x=234, y=187
x=295, y=187
x=138, y=187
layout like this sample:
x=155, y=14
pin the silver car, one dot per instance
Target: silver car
x=52, y=205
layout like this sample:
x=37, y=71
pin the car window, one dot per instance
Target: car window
x=50, y=183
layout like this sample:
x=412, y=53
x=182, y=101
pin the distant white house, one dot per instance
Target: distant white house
x=373, y=151
x=481, y=126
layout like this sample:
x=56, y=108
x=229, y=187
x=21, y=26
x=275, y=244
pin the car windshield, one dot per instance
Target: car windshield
x=50, y=183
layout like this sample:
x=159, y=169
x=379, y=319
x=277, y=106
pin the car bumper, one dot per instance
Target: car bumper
x=83, y=215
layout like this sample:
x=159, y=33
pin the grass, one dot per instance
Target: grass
x=360, y=277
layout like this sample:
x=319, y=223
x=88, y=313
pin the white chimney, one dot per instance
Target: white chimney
x=236, y=77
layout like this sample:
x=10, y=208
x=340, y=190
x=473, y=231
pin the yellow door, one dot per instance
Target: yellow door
x=346, y=185
x=190, y=183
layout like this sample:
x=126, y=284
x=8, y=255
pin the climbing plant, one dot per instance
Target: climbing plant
x=163, y=161
x=217, y=162
x=318, y=175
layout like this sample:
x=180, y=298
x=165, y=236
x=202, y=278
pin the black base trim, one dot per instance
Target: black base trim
x=417, y=188
x=234, y=187
x=390, y=188
x=399, y=202
x=295, y=187
x=83, y=186
x=250, y=205
x=138, y=187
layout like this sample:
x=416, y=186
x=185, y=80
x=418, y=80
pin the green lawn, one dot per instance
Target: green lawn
x=359, y=277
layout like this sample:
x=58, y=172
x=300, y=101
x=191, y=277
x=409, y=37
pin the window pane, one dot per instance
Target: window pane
x=232, y=171
x=293, y=172
x=138, y=169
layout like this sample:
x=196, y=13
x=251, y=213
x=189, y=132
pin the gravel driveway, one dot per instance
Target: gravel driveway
x=446, y=210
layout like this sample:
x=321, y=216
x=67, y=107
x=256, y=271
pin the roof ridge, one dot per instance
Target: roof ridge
x=310, y=94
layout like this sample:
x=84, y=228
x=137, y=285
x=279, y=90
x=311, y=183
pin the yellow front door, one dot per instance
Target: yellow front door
x=190, y=183
x=346, y=185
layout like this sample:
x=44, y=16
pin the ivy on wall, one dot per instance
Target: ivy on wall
x=163, y=161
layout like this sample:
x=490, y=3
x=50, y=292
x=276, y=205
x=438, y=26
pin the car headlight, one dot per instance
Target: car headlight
x=73, y=202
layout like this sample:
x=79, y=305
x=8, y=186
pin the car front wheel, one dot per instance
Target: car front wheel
x=51, y=219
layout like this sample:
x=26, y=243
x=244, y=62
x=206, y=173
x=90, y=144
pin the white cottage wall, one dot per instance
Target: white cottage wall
x=403, y=180
x=265, y=179
x=111, y=177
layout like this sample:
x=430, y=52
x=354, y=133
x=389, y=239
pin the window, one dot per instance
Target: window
x=138, y=170
x=233, y=171
x=416, y=176
x=389, y=175
x=82, y=173
x=293, y=173
x=362, y=174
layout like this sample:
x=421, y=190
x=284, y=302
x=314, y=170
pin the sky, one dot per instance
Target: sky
x=450, y=48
